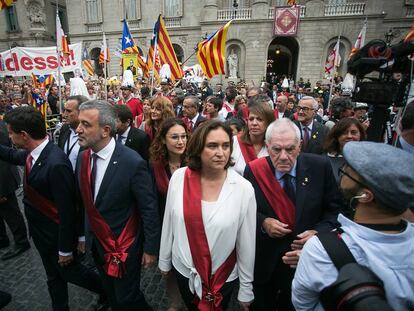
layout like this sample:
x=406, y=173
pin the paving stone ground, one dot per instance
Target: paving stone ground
x=25, y=279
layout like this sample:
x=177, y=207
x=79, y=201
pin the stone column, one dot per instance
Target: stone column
x=209, y=11
x=260, y=9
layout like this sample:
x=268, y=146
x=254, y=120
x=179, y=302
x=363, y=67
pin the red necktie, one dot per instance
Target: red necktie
x=305, y=136
x=190, y=126
x=28, y=166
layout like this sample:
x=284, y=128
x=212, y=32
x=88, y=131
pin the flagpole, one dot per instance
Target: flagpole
x=15, y=71
x=153, y=63
x=334, y=70
x=58, y=59
x=105, y=58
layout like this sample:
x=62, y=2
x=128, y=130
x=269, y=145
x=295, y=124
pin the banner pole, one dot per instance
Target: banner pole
x=58, y=60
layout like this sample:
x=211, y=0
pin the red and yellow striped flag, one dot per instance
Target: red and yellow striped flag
x=62, y=42
x=166, y=50
x=211, y=52
x=150, y=65
x=410, y=35
x=6, y=3
x=291, y=2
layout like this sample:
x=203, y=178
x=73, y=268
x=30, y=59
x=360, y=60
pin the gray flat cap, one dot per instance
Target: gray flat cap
x=387, y=171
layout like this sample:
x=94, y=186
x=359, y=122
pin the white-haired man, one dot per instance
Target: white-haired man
x=296, y=197
x=313, y=133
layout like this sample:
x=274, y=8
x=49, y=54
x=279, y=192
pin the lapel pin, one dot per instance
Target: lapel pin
x=115, y=162
x=305, y=181
x=314, y=135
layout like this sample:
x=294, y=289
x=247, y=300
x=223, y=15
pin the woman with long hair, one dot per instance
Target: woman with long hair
x=250, y=144
x=146, y=114
x=167, y=154
x=161, y=109
x=345, y=130
x=208, y=233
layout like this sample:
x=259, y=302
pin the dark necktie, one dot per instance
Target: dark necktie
x=28, y=166
x=288, y=187
x=305, y=136
x=93, y=173
x=190, y=126
x=120, y=139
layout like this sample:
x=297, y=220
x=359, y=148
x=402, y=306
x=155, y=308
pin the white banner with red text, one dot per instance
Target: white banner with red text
x=23, y=61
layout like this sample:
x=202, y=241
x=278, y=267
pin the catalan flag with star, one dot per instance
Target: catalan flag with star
x=39, y=103
x=211, y=52
x=42, y=80
x=129, y=47
x=87, y=63
x=6, y=3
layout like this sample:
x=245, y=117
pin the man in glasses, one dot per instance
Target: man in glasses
x=380, y=192
x=313, y=134
x=296, y=197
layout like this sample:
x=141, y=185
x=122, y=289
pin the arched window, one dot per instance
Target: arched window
x=342, y=54
x=94, y=55
x=179, y=52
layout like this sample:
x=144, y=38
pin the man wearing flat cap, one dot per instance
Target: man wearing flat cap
x=128, y=99
x=380, y=191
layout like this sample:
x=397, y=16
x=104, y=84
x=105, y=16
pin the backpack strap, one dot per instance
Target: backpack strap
x=336, y=248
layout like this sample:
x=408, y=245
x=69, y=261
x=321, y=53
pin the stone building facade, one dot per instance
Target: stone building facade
x=31, y=23
x=260, y=54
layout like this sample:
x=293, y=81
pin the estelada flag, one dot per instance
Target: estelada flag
x=62, y=42
x=42, y=80
x=6, y=3
x=211, y=52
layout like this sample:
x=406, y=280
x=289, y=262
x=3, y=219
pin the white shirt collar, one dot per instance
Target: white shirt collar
x=107, y=150
x=38, y=150
x=125, y=134
x=194, y=120
x=310, y=126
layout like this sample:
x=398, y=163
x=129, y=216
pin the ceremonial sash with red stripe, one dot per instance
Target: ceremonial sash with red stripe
x=247, y=150
x=39, y=202
x=273, y=192
x=115, y=248
x=161, y=177
x=200, y=251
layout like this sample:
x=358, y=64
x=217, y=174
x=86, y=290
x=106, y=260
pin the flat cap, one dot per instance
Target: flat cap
x=388, y=172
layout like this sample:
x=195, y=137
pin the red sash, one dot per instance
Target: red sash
x=274, y=193
x=39, y=202
x=115, y=248
x=161, y=177
x=227, y=107
x=200, y=252
x=247, y=150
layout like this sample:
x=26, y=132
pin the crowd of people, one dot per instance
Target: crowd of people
x=227, y=189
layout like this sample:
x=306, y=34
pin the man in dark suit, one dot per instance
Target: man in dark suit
x=130, y=136
x=49, y=201
x=68, y=139
x=313, y=133
x=296, y=197
x=192, y=117
x=9, y=209
x=119, y=198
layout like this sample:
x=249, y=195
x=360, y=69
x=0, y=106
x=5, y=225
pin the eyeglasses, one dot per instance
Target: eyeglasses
x=176, y=137
x=341, y=173
x=304, y=109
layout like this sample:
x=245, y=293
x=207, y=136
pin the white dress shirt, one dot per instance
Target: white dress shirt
x=389, y=256
x=229, y=223
x=102, y=162
x=72, y=148
x=124, y=135
x=237, y=156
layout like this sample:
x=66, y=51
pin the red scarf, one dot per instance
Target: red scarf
x=273, y=192
x=115, y=248
x=161, y=177
x=200, y=251
x=247, y=150
x=39, y=202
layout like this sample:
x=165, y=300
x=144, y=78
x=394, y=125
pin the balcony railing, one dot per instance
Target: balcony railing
x=356, y=8
x=271, y=14
x=134, y=24
x=96, y=27
x=410, y=11
x=225, y=15
x=171, y=22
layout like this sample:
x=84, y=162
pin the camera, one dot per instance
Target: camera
x=357, y=288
